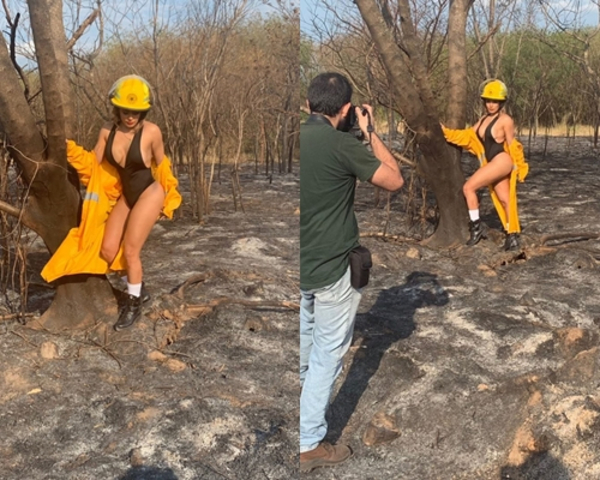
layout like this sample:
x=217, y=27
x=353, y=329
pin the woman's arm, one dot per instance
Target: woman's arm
x=509, y=129
x=101, y=143
x=158, y=147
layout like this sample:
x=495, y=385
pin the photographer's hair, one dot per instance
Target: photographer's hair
x=328, y=93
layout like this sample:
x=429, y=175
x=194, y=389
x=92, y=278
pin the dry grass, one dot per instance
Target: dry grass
x=562, y=130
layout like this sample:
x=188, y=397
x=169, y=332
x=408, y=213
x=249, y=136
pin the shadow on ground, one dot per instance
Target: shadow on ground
x=390, y=319
x=542, y=466
x=149, y=473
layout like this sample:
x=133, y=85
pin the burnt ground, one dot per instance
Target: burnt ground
x=466, y=364
x=477, y=364
x=218, y=400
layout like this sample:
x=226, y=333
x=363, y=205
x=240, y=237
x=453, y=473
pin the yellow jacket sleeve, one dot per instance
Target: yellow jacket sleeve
x=164, y=175
x=81, y=160
x=515, y=150
x=466, y=139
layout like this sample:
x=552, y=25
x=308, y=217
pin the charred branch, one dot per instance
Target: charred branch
x=25, y=143
x=568, y=237
x=208, y=307
x=10, y=209
x=13, y=55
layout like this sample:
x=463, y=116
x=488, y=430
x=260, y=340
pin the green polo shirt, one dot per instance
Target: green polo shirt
x=330, y=163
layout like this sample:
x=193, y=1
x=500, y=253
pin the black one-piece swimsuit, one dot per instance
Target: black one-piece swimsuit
x=135, y=175
x=490, y=145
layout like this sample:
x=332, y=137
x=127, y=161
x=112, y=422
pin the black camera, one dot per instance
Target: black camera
x=350, y=123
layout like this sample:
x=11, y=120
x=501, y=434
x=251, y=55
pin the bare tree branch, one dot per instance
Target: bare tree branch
x=17, y=121
x=481, y=42
x=22, y=215
x=10, y=209
x=82, y=28
x=13, y=55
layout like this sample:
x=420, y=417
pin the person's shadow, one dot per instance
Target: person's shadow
x=390, y=319
x=149, y=473
x=541, y=466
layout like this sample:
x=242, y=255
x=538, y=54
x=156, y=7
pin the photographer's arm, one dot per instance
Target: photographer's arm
x=388, y=175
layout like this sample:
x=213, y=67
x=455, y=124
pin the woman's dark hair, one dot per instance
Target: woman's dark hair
x=501, y=103
x=328, y=93
x=117, y=117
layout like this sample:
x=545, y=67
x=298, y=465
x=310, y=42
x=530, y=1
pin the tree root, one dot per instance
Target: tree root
x=180, y=290
x=387, y=237
x=17, y=316
x=203, y=309
x=170, y=317
x=162, y=324
x=569, y=237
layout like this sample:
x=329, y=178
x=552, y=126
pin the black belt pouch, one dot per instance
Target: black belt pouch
x=360, y=265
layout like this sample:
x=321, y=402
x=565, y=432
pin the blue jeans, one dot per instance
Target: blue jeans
x=326, y=325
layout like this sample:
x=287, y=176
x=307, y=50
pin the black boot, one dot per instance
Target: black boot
x=144, y=294
x=511, y=242
x=477, y=232
x=122, y=299
x=131, y=312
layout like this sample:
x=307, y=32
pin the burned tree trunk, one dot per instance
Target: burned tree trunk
x=415, y=101
x=457, y=63
x=52, y=203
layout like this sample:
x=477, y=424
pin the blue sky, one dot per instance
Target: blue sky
x=309, y=9
x=118, y=14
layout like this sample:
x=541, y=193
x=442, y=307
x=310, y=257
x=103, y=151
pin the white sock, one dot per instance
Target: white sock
x=134, y=289
x=474, y=215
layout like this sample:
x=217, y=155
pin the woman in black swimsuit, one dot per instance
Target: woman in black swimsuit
x=493, y=129
x=131, y=144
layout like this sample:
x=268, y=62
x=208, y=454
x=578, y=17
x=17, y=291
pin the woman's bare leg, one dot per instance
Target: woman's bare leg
x=489, y=174
x=113, y=233
x=502, y=189
x=142, y=218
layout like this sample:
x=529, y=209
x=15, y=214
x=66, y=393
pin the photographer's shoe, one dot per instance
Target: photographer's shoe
x=325, y=455
x=476, y=231
x=511, y=242
x=130, y=313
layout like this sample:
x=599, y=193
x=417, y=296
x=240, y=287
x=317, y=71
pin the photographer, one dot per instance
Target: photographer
x=330, y=162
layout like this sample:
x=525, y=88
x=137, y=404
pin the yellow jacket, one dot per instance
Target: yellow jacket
x=468, y=140
x=80, y=250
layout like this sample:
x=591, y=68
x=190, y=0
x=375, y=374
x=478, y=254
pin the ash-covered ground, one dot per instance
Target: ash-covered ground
x=473, y=363
x=218, y=400
x=468, y=364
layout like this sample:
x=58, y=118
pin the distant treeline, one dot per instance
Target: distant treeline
x=551, y=77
